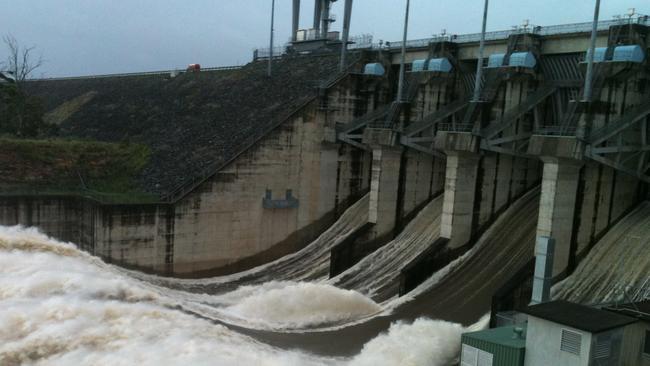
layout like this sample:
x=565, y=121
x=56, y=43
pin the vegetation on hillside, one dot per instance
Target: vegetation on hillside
x=21, y=115
x=31, y=162
x=106, y=171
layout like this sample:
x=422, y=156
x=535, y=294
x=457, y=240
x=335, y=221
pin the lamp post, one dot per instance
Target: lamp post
x=481, y=50
x=346, y=33
x=590, y=56
x=400, y=85
x=271, y=41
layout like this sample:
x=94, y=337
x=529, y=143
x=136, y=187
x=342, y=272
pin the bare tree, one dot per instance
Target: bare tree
x=20, y=64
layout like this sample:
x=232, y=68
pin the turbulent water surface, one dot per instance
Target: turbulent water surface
x=617, y=268
x=61, y=306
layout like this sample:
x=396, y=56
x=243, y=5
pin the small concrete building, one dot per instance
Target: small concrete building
x=561, y=333
x=504, y=346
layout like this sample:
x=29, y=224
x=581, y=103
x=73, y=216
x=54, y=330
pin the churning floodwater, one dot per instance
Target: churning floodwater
x=61, y=306
x=617, y=268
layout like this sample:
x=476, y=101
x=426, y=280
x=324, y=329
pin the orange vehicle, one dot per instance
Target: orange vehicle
x=194, y=67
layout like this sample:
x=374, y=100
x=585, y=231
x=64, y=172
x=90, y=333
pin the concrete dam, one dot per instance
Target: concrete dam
x=356, y=199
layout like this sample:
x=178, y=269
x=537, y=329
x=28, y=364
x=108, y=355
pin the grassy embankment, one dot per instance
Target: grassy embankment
x=102, y=171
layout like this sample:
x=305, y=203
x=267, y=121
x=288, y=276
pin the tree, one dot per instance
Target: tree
x=20, y=61
x=20, y=113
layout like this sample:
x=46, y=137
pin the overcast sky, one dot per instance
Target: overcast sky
x=79, y=37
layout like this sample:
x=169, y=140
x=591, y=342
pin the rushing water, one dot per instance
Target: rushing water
x=312, y=262
x=61, y=306
x=617, y=268
x=386, y=263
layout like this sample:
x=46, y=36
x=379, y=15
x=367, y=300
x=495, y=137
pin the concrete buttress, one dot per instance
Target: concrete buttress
x=460, y=191
x=557, y=206
x=384, y=186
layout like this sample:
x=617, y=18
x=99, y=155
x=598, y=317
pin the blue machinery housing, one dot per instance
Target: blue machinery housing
x=631, y=53
x=435, y=64
x=517, y=59
x=374, y=68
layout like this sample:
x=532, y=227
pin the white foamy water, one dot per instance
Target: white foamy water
x=294, y=305
x=423, y=342
x=61, y=306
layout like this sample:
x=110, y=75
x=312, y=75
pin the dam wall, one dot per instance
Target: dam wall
x=269, y=201
x=266, y=165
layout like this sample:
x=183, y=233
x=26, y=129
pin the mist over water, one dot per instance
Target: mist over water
x=61, y=306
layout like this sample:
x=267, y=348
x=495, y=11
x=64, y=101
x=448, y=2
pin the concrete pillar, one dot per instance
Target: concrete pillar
x=317, y=14
x=325, y=18
x=460, y=190
x=384, y=185
x=557, y=206
x=295, y=19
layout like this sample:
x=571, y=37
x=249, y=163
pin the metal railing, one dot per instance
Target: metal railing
x=361, y=41
x=500, y=35
x=265, y=53
x=130, y=74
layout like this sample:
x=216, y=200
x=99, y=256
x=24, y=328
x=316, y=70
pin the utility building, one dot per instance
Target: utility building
x=503, y=346
x=561, y=333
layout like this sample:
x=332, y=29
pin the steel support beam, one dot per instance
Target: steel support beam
x=435, y=117
x=605, y=161
x=481, y=51
x=589, y=78
x=317, y=15
x=616, y=127
x=402, y=67
x=325, y=18
x=269, y=71
x=346, y=33
x=296, y=20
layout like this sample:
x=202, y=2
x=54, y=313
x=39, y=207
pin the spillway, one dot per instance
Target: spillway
x=617, y=268
x=377, y=275
x=309, y=264
x=461, y=292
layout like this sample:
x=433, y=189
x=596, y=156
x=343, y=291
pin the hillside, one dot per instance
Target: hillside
x=191, y=123
x=103, y=171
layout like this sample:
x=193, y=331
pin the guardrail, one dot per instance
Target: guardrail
x=265, y=53
x=499, y=35
x=363, y=41
x=145, y=73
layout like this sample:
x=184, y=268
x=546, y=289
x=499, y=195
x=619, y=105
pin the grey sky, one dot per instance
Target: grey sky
x=78, y=37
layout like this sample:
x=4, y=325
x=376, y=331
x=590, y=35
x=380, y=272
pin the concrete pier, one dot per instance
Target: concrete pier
x=460, y=190
x=384, y=187
x=557, y=205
